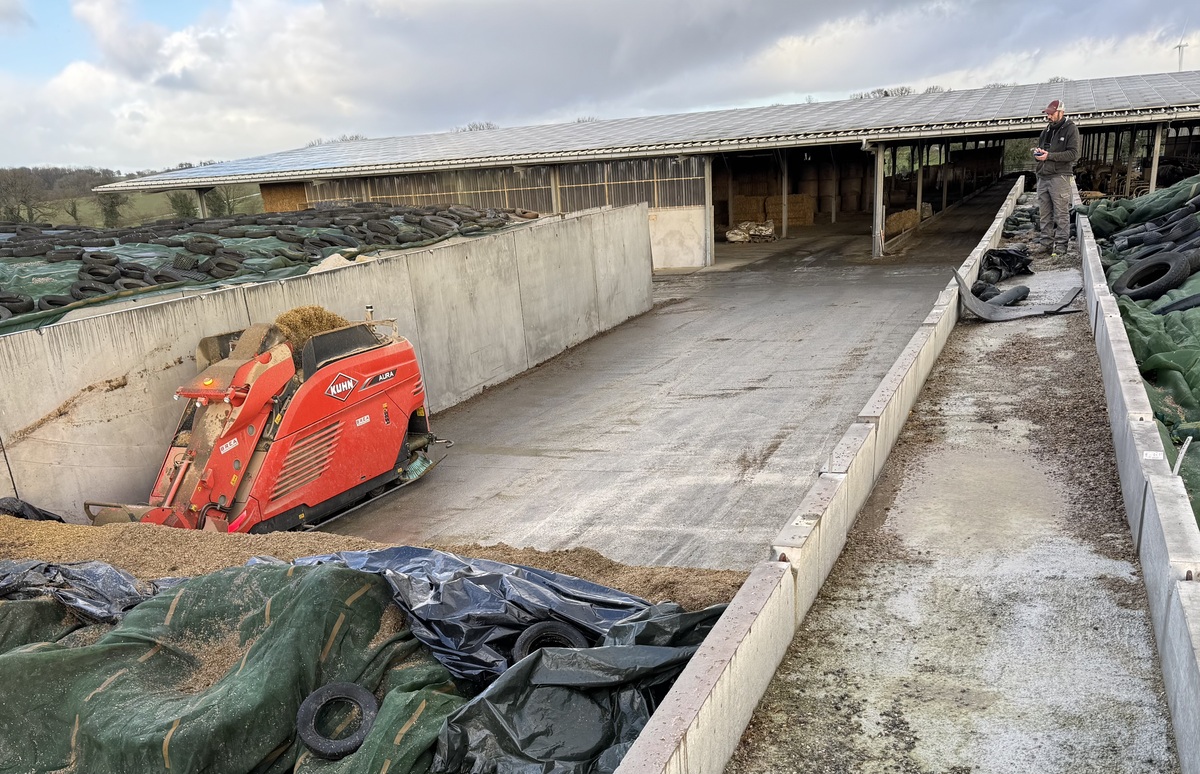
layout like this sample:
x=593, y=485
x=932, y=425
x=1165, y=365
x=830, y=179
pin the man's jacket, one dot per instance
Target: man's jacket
x=1061, y=141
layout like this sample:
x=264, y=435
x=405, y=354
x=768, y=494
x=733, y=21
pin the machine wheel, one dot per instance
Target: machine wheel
x=548, y=634
x=306, y=719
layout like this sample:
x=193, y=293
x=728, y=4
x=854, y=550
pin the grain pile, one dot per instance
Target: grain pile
x=302, y=323
x=149, y=552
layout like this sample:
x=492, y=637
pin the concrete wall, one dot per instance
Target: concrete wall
x=697, y=727
x=1157, y=508
x=87, y=406
x=679, y=237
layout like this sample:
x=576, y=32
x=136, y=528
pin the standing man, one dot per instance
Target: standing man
x=1056, y=154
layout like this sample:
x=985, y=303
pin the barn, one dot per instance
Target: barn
x=879, y=165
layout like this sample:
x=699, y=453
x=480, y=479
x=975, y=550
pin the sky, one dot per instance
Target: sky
x=136, y=85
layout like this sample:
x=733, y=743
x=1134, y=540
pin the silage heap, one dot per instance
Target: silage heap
x=104, y=673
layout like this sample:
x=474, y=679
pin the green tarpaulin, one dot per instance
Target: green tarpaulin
x=209, y=675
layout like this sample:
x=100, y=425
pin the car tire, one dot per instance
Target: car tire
x=87, y=289
x=17, y=303
x=46, y=303
x=310, y=709
x=1151, y=277
x=548, y=634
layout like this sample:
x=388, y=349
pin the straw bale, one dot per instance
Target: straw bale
x=900, y=222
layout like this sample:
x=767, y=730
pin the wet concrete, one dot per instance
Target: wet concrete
x=687, y=435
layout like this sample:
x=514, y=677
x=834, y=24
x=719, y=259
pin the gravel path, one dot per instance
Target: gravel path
x=988, y=614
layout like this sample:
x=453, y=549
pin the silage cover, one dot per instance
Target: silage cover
x=1166, y=347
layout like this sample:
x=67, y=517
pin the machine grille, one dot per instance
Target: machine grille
x=308, y=458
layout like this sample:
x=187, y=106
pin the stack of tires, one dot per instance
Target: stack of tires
x=1161, y=255
x=200, y=251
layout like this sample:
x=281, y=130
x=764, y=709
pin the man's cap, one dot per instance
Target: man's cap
x=1054, y=107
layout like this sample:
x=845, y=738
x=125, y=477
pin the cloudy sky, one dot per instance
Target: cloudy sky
x=140, y=84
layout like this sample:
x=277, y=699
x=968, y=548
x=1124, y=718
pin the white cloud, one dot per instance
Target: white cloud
x=267, y=75
x=13, y=15
x=128, y=45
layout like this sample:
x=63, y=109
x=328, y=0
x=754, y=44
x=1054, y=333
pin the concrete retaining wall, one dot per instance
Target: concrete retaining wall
x=698, y=726
x=679, y=237
x=1157, y=507
x=87, y=409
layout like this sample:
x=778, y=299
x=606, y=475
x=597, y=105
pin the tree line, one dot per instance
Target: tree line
x=44, y=194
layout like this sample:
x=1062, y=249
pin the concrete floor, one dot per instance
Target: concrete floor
x=988, y=614
x=687, y=435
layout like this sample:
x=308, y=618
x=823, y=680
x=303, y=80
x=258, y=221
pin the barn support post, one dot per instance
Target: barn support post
x=945, y=175
x=555, y=194
x=920, y=182
x=710, y=228
x=783, y=182
x=877, y=219
x=1158, y=133
x=200, y=194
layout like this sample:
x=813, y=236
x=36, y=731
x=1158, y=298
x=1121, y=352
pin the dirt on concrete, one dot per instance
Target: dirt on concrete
x=67, y=406
x=149, y=552
x=988, y=614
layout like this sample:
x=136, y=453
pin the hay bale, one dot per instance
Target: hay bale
x=900, y=222
x=302, y=323
x=748, y=208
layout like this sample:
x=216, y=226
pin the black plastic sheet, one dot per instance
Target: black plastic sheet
x=1008, y=261
x=568, y=711
x=94, y=591
x=471, y=611
x=11, y=506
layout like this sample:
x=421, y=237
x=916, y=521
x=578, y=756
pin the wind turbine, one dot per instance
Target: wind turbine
x=1181, y=46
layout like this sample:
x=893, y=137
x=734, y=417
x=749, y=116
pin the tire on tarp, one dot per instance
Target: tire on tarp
x=53, y=301
x=100, y=258
x=17, y=303
x=163, y=277
x=87, y=289
x=1153, y=276
x=98, y=273
x=326, y=747
x=31, y=249
x=131, y=283
x=548, y=634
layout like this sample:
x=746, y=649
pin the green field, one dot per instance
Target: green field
x=142, y=208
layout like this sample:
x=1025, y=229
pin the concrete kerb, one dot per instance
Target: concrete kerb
x=722, y=683
x=699, y=724
x=1177, y=650
x=1159, y=513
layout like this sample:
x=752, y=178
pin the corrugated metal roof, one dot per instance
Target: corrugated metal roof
x=1142, y=98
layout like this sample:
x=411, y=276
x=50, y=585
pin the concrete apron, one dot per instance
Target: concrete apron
x=699, y=724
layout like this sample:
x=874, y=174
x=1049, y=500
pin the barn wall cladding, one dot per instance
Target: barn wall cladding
x=660, y=182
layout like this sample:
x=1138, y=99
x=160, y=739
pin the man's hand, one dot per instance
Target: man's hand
x=1040, y=154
